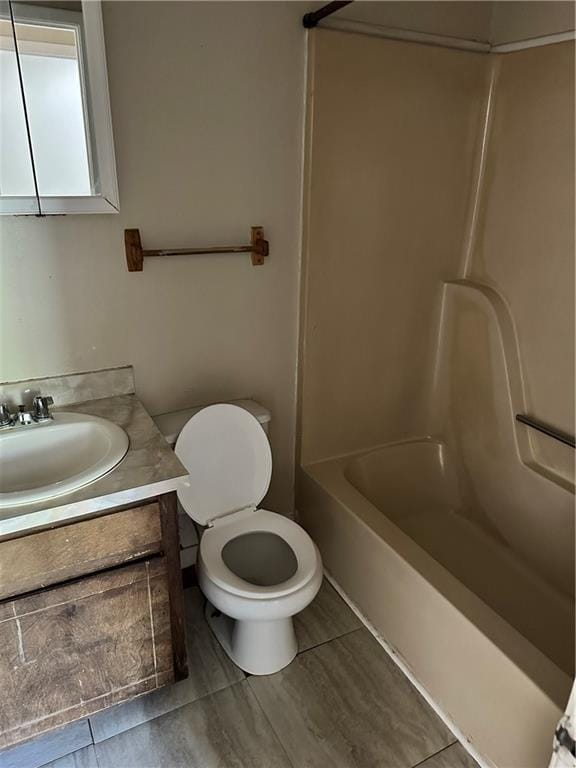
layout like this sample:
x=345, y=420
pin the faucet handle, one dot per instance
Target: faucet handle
x=6, y=419
x=42, y=407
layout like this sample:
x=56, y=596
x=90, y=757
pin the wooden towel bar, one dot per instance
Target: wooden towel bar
x=258, y=248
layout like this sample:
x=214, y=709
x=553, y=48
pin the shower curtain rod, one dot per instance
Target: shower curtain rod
x=311, y=20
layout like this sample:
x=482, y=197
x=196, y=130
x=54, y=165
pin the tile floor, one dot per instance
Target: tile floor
x=342, y=703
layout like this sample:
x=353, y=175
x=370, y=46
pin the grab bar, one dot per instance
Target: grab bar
x=556, y=434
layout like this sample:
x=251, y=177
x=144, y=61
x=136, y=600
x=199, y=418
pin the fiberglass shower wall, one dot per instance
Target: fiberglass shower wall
x=392, y=132
x=507, y=334
x=401, y=200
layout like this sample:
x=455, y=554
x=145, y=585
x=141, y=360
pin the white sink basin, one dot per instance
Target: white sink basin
x=51, y=458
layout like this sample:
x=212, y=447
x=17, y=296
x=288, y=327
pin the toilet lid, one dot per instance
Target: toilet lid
x=229, y=461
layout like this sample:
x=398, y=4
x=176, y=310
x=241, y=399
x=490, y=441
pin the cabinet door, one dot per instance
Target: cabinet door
x=74, y=649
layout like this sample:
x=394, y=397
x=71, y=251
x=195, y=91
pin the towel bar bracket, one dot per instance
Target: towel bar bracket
x=258, y=248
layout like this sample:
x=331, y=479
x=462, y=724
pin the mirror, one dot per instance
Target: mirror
x=16, y=172
x=54, y=113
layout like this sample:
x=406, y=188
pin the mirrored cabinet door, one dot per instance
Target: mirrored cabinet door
x=50, y=45
x=56, y=67
x=16, y=169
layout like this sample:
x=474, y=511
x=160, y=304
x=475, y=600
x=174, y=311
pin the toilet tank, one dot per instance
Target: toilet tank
x=170, y=424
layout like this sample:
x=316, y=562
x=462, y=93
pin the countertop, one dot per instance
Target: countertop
x=149, y=468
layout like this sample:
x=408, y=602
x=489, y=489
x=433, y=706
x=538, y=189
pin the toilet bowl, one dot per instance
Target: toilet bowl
x=256, y=568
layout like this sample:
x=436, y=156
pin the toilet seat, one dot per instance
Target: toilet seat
x=253, y=520
x=229, y=461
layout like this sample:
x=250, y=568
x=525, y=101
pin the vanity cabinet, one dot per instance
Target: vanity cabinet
x=91, y=614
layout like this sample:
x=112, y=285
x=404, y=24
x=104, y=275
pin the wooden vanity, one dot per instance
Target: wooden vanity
x=91, y=614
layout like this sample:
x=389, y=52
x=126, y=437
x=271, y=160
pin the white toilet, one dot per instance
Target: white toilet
x=256, y=568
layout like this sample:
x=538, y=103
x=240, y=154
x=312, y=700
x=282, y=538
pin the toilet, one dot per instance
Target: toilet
x=256, y=568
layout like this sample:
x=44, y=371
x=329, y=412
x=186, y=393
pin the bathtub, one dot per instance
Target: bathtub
x=486, y=636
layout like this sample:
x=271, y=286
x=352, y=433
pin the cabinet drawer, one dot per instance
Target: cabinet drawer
x=72, y=650
x=49, y=557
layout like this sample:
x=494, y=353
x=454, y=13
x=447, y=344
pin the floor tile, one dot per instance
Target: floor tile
x=209, y=670
x=452, y=757
x=50, y=746
x=326, y=617
x=84, y=758
x=226, y=729
x=346, y=704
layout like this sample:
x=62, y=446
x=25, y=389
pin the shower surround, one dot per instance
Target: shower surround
x=437, y=304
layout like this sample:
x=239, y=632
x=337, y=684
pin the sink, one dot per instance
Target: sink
x=55, y=457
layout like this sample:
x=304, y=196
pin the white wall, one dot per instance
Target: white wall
x=469, y=20
x=207, y=102
x=488, y=21
x=513, y=21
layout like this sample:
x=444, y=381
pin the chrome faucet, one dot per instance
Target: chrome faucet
x=6, y=419
x=42, y=408
x=23, y=417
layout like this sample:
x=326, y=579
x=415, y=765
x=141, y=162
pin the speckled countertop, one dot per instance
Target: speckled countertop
x=149, y=468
